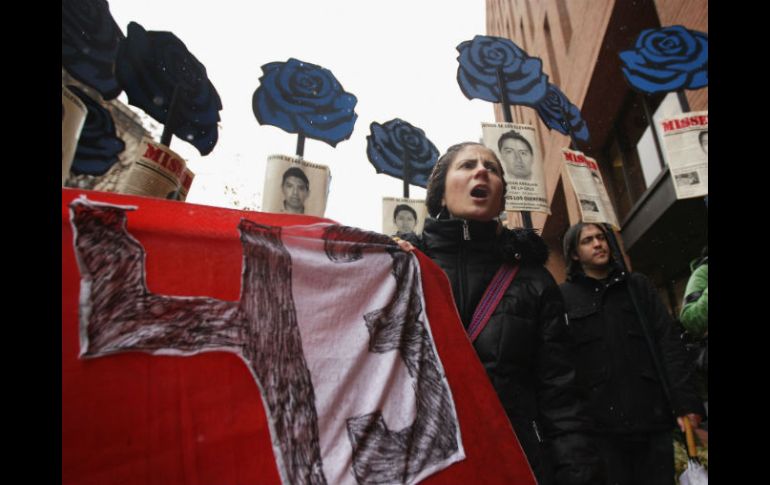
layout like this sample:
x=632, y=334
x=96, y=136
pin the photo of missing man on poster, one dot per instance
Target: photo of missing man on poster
x=294, y=186
x=402, y=216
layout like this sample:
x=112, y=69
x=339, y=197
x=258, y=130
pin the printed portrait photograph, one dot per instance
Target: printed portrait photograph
x=516, y=147
x=295, y=187
x=403, y=216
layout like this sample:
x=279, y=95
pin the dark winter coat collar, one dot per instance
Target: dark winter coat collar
x=517, y=245
x=616, y=272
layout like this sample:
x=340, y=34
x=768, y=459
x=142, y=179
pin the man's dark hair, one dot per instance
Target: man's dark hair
x=404, y=207
x=295, y=172
x=513, y=135
x=701, y=135
x=572, y=240
x=437, y=179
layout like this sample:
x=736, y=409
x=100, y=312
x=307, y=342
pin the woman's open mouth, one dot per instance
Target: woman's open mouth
x=479, y=192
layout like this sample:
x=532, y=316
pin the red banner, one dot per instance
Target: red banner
x=139, y=418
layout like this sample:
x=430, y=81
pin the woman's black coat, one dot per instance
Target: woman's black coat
x=525, y=348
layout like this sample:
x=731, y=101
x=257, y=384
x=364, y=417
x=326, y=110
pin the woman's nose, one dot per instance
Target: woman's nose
x=480, y=170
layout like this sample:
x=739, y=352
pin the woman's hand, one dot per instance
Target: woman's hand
x=404, y=245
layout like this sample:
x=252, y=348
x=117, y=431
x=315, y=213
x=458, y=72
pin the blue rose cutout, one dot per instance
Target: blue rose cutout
x=391, y=142
x=304, y=98
x=150, y=65
x=483, y=57
x=558, y=113
x=98, y=146
x=89, y=44
x=667, y=59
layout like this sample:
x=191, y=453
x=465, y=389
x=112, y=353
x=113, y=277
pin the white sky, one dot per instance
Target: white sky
x=398, y=57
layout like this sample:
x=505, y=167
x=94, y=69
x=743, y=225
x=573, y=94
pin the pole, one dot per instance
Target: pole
x=683, y=103
x=407, y=170
x=300, y=145
x=169, y=127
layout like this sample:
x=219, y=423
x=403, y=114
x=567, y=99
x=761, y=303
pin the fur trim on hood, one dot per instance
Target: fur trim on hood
x=523, y=245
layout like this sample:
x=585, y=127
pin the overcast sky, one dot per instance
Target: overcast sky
x=397, y=57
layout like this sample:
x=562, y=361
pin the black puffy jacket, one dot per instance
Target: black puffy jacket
x=525, y=348
x=614, y=362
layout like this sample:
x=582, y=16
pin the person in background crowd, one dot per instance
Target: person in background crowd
x=615, y=365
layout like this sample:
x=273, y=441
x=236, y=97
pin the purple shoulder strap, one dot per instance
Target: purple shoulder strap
x=491, y=299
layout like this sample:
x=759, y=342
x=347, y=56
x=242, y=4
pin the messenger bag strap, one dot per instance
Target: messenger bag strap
x=492, y=296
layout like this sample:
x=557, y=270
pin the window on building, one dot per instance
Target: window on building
x=626, y=157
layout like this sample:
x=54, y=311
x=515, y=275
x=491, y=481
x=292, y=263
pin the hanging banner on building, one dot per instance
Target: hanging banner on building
x=686, y=141
x=522, y=161
x=295, y=186
x=157, y=171
x=401, y=216
x=73, y=115
x=593, y=200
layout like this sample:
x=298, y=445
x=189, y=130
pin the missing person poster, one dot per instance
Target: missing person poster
x=73, y=116
x=295, y=186
x=401, y=216
x=157, y=171
x=686, y=141
x=593, y=200
x=515, y=146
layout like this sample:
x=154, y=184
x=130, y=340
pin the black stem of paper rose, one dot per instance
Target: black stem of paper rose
x=574, y=144
x=300, y=145
x=170, y=125
x=503, y=97
x=407, y=175
x=526, y=218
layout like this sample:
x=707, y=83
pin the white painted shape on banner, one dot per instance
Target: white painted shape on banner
x=347, y=378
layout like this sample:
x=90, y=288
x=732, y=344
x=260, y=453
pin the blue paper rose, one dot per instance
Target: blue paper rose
x=391, y=142
x=98, y=146
x=150, y=65
x=558, y=113
x=89, y=44
x=667, y=59
x=483, y=57
x=300, y=97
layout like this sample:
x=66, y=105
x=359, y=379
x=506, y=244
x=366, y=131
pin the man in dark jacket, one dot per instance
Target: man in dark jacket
x=616, y=367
